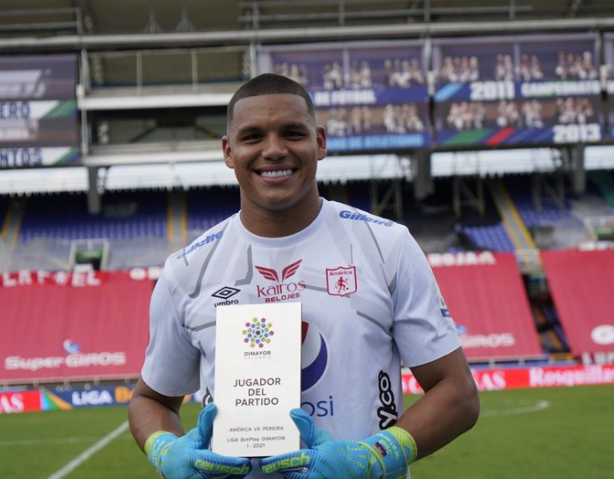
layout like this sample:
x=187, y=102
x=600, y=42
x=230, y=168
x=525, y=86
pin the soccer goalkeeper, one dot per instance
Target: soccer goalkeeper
x=369, y=301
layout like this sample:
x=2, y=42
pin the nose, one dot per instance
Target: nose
x=274, y=148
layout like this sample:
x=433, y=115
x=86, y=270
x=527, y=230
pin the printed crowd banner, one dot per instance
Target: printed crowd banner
x=67, y=397
x=38, y=111
x=581, y=286
x=488, y=303
x=608, y=39
x=72, y=326
x=371, y=97
x=532, y=90
x=17, y=157
x=38, y=77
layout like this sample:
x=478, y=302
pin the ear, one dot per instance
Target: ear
x=321, y=139
x=228, y=159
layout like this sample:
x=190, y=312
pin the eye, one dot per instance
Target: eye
x=295, y=134
x=251, y=137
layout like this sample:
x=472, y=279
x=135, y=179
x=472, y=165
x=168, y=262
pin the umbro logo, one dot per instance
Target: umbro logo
x=226, y=292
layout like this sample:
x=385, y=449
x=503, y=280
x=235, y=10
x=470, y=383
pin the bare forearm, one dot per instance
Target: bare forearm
x=440, y=416
x=147, y=414
x=449, y=407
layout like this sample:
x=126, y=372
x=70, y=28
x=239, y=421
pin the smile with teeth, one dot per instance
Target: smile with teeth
x=276, y=174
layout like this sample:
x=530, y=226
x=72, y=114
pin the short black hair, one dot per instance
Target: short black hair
x=268, y=84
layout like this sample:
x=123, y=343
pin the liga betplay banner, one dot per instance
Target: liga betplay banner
x=488, y=379
x=72, y=326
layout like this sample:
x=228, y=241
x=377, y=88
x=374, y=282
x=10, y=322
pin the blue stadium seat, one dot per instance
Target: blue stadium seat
x=126, y=215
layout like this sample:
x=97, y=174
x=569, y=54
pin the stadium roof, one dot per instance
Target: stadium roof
x=332, y=169
x=115, y=26
x=97, y=24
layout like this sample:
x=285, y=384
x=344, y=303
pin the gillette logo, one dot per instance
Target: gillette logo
x=352, y=215
x=194, y=246
x=283, y=290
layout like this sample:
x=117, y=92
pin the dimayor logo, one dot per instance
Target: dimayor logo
x=258, y=332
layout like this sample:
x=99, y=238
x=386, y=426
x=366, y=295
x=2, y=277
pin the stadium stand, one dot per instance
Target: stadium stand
x=134, y=224
x=207, y=207
x=125, y=215
x=156, y=103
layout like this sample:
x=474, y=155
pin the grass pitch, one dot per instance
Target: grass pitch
x=558, y=433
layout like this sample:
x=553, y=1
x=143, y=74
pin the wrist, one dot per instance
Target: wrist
x=155, y=444
x=395, y=449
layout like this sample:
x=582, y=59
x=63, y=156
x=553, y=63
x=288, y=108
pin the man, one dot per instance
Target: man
x=388, y=309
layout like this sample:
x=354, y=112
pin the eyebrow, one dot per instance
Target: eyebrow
x=248, y=129
x=257, y=128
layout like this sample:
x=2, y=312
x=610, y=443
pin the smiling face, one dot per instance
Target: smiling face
x=274, y=146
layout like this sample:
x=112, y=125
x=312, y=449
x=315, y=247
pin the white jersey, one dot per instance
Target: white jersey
x=369, y=299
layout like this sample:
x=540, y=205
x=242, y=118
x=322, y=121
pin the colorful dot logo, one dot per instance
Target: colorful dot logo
x=258, y=333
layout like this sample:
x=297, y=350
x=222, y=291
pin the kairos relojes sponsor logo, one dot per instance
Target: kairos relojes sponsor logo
x=283, y=289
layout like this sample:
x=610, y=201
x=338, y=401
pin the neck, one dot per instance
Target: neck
x=280, y=223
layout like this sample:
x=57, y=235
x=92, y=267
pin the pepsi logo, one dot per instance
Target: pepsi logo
x=314, y=356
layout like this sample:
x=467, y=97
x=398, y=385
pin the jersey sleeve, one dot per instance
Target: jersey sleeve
x=423, y=329
x=171, y=362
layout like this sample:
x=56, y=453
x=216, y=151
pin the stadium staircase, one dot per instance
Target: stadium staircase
x=336, y=192
x=177, y=225
x=605, y=183
x=11, y=211
x=512, y=221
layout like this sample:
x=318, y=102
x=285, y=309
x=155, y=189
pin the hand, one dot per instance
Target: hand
x=386, y=455
x=188, y=457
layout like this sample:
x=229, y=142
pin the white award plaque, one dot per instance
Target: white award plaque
x=257, y=379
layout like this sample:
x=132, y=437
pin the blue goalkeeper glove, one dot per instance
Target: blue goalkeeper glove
x=188, y=457
x=386, y=455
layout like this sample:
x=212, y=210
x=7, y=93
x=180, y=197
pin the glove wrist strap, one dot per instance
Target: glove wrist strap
x=395, y=449
x=406, y=441
x=155, y=443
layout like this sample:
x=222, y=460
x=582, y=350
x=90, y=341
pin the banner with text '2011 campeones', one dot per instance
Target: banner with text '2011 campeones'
x=38, y=111
x=529, y=90
x=72, y=326
x=370, y=96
